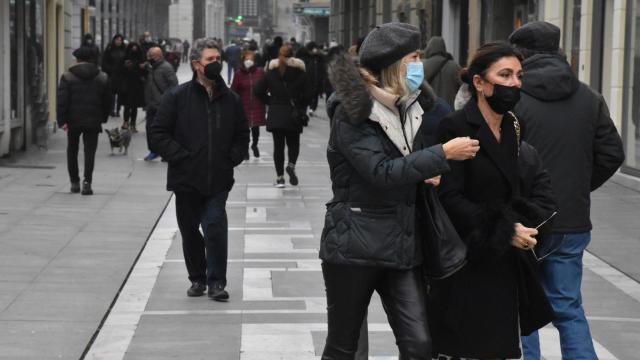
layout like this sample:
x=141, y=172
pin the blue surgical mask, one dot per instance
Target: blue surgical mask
x=415, y=75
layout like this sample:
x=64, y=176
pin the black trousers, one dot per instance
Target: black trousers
x=130, y=115
x=205, y=256
x=349, y=289
x=255, y=135
x=292, y=140
x=151, y=114
x=90, y=141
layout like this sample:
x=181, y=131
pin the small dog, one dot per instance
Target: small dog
x=120, y=138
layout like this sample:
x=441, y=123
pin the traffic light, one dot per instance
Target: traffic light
x=238, y=20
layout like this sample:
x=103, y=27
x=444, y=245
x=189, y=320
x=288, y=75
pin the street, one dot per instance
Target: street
x=71, y=264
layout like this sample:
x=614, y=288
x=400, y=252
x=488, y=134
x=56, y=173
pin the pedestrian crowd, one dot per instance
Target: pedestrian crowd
x=461, y=194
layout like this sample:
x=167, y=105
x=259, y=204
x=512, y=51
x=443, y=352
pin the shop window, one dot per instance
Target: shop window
x=13, y=39
x=631, y=127
x=500, y=18
x=386, y=11
x=571, y=33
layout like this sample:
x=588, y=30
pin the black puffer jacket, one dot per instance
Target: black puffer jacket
x=84, y=97
x=371, y=218
x=202, y=139
x=569, y=125
x=277, y=91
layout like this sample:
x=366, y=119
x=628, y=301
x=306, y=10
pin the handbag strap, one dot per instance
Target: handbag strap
x=516, y=126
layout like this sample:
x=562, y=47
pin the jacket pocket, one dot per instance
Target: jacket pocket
x=375, y=233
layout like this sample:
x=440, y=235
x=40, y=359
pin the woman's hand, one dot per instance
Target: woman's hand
x=435, y=181
x=524, y=237
x=461, y=148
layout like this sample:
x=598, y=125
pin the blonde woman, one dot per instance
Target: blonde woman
x=378, y=161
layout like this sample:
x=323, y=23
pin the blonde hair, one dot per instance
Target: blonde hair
x=390, y=79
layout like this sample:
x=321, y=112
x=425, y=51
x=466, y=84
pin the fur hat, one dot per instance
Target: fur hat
x=537, y=36
x=388, y=43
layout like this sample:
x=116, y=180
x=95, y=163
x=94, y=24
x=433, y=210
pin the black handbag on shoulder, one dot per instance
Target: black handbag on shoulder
x=444, y=251
x=297, y=114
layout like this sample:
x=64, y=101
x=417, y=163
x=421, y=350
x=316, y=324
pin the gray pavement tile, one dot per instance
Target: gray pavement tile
x=205, y=337
x=620, y=338
x=601, y=298
x=297, y=283
x=64, y=304
x=44, y=340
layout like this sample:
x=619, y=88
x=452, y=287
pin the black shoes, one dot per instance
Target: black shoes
x=75, y=187
x=291, y=171
x=86, y=188
x=196, y=289
x=218, y=293
x=279, y=182
x=256, y=152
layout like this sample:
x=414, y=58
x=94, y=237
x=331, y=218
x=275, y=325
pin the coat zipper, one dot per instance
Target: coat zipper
x=209, y=145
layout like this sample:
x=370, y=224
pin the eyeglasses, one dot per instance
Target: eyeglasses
x=557, y=246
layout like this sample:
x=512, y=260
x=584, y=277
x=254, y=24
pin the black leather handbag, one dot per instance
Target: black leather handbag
x=444, y=251
x=297, y=114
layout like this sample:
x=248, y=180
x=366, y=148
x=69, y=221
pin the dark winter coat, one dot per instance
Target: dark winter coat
x=316, y=69
x=569, y=124
x=113, y=65
x=160, y=78
x=244, y=83
x=202, y=139
x=476, y=312
x=370, y=220
x=84, y=97
x=441, y=71
x=134, y=78
x=277, y=91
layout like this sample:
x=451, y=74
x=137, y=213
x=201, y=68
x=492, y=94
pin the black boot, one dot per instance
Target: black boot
x=256, y=152
x=86, y=188
x=291, y=171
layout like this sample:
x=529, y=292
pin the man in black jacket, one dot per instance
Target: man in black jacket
x=570, y=126
x=201, y=130
x=83, y=103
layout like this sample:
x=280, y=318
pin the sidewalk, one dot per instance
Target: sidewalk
x=277, y=308
x=64, y=258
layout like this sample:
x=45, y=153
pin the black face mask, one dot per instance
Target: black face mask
x=504, y=98
x=151, y=61
x=212, y=70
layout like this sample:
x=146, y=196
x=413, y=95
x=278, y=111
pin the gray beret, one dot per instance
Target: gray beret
x=537, y=36
x=388, y=43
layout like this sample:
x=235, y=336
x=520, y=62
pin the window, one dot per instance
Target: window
x=571, y=33
x=500, y=18
x=631, y=125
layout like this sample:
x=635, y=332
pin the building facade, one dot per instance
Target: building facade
x=38, y=38
x=601, y=39
x=181, y=20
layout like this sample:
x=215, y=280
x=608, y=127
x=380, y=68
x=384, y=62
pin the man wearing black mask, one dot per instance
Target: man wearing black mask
x=201, y=130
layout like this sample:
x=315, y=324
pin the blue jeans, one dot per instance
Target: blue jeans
x=561, y=277
x=205, y=256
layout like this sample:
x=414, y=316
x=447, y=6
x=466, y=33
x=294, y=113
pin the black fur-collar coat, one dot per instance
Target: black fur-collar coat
x=480, y=311
x=371, y=219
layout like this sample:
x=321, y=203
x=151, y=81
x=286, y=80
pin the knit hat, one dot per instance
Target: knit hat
x=83, y=53
x=537, y=36
x=388, y=43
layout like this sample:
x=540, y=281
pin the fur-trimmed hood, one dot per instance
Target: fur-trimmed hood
x=292, y=62
x=353, y=92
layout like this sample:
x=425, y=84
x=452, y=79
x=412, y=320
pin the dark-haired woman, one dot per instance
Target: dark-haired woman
x=495, y=200
x=113, y=65
x=133, y=84
x=285, y=87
